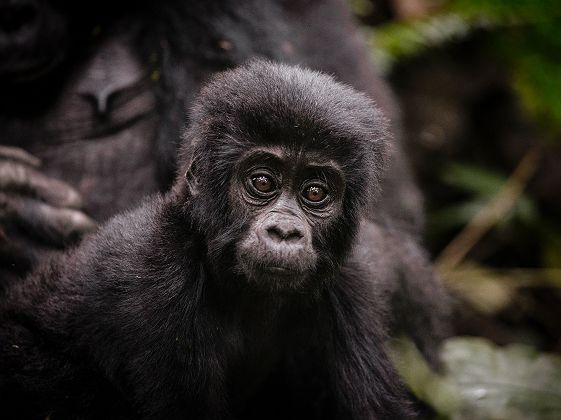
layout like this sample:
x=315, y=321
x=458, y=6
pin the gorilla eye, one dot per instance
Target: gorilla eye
x=315, y=193
x=263, y=183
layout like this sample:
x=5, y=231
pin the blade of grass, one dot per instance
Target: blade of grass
x=490, y=215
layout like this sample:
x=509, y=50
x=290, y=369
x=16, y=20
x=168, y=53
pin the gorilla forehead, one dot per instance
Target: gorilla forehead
x=265, y=103
x=290, y=158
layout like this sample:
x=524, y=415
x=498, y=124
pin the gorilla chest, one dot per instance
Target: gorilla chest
x=100, y=134
x=260, y=349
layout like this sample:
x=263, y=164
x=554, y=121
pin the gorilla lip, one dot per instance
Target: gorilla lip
x=279, y=270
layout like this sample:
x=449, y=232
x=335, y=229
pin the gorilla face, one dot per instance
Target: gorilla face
x=292, y=197
x=33, y=35
x=281, y=165
x=38, y=35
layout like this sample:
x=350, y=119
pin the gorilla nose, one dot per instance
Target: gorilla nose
x=15, y=15
x=279, y=233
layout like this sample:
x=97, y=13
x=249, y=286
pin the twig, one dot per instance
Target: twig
x=489, y=215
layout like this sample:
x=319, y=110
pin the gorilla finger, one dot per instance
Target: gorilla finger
x=58, y=226
x=19, y=155
x=20, y=178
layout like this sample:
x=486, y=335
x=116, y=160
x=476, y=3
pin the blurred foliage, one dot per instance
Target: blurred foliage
x=514, y=382
x=552, y=247
x=529, y=40
x=512, y=279
x=484, y=381
x=489, y=291
x=481, y=185
x=428, y=386
x=362, y=7
x=525, y=36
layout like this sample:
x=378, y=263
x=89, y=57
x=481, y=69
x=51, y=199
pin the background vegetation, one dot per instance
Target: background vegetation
x=479, y=83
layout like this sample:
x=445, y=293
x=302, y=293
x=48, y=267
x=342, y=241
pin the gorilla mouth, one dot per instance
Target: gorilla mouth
x=280, y=271
x=261, y=263
x=271, y=270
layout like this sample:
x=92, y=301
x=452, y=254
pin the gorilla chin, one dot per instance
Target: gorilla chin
x=276, y=271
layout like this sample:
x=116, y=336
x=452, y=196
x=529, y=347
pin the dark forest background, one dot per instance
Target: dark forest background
x=479, y=84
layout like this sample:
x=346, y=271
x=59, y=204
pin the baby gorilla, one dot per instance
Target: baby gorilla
x=248, y=291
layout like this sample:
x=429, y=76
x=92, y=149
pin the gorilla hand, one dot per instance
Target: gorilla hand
x=38, y=214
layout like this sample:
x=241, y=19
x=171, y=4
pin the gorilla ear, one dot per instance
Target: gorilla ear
x=192, y=178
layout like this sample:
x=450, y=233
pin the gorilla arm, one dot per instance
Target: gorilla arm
x=37, y=214
x=401, y=274
x=111, y=314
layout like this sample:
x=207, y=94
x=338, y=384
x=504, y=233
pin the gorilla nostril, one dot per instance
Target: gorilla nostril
x=277, y=234
x=294, y=236
x=14, y=17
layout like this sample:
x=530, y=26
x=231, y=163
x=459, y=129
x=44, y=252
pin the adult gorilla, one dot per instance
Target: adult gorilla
x=96, y=92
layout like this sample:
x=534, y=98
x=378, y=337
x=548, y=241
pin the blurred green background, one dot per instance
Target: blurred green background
x=479, y=84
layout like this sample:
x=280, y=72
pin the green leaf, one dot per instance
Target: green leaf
x=361, y=7
x=513, y=382
x=509, y=10
x=454, y=216
x=482, y=182
x=394, y=41
x=425, y=384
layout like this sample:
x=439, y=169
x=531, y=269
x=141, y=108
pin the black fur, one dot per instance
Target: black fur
x=148, y=318
x=178, y=45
